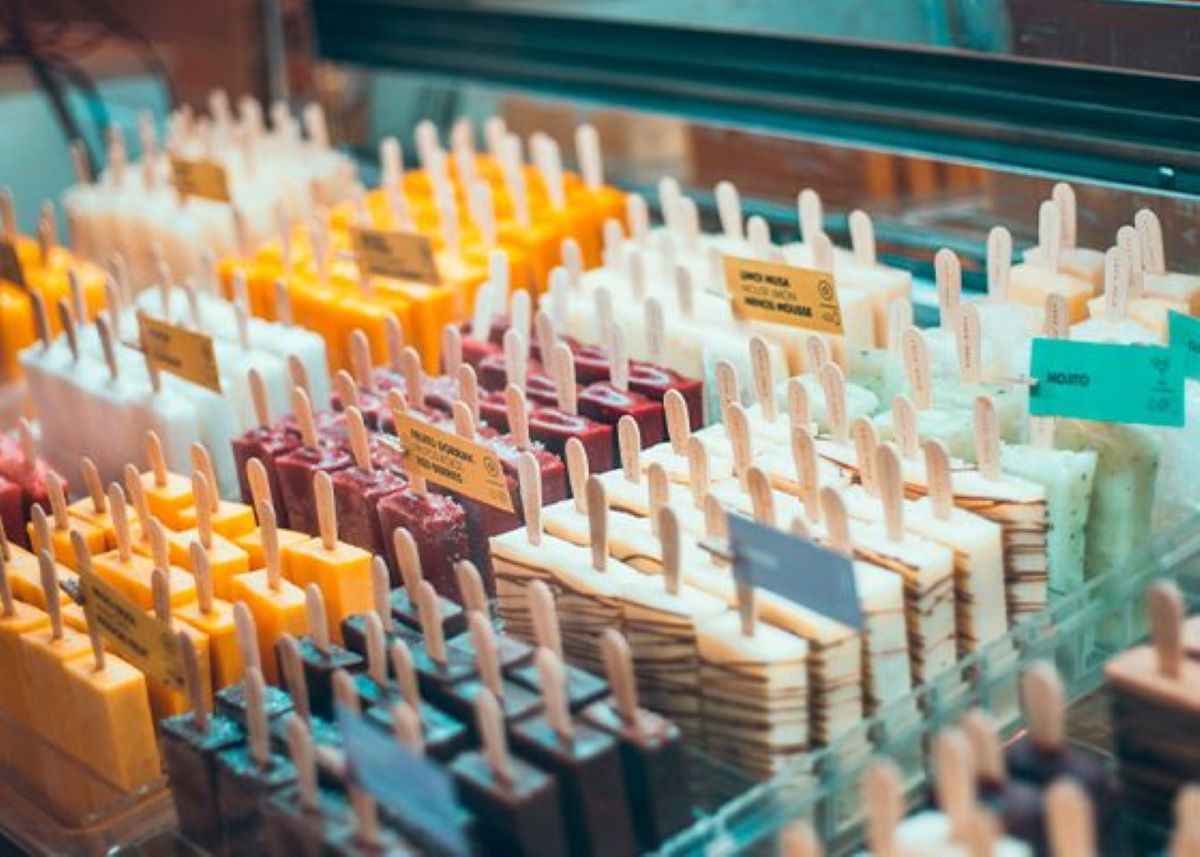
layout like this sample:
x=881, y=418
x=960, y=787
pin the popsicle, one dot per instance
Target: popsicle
x=190, y=744
x=131, y=572
x=607, y=402
x=214, y=618
x=277, y=605
x=1018, y=806
x=249, y=773
x=1157, y=281
x=437, y=665
x=320, y=657
x=516, y=701
x=93, y=509
x=441, y=736
x=60, y=543
x=262, y=443
x=168, y=495
x=251, y=542
x=412, y=569
x=1031, y=281
x=225, y=559
x=229, y=518
x=516, y=804
x=166, y=700
x=304, y=818
x=1082, y=263
x=297, y=468
x=17, y=618
x=231, y=700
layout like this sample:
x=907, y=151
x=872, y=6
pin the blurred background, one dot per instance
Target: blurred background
x=939, y=117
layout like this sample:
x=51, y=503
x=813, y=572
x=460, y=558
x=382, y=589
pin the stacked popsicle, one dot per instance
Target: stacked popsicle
x=485, y=216
x=133, y=209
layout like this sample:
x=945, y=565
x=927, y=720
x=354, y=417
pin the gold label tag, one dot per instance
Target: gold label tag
x=454, y=462
x=201, y=178
x=182, y=352
x=135, y=635
x=10, y=265
x=402, y=255
x=798, y=297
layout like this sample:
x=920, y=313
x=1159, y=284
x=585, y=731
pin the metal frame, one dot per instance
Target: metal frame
x=1134, y=129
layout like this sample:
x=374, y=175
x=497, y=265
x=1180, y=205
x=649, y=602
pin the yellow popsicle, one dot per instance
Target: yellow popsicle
x=214, y=618
x=224, y=559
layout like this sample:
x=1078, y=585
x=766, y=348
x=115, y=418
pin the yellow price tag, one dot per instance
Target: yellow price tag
x=182, y=352
x=198, y=177
x=798, y=297
x=402, y=255
x=453, y=462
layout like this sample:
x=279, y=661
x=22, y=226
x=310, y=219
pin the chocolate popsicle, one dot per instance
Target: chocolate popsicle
x=321, y=657
x=190, y=744
x=292, y=671
x=299, y=820
x=411, y=566
x=651, y=751
x=516, y=804
x=248, y=773
x=231, y=700
x=516, y=701
x=586, y=764
x=354, y=628
x=512, y=652
x=437, y=666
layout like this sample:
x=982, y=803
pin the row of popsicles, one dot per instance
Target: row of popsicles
x=48, y=270
x=95, y=392
x=489, y=218
x=133, y=209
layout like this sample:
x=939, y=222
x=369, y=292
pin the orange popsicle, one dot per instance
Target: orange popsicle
x=225, y=559
x=214, y=618
x=251, y=542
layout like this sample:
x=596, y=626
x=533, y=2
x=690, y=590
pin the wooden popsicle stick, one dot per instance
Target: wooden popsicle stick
x=577, y=473
x=659, y=491
x=1185, y=840
x=799, y=412
x=862, y=237
x=679, y=427
x=728, y=387
x=883, y=796
x=257, y=735
x=999, y=263
x=1165, y=607
x=414, y=378
x=326, y=510
x=518, y=416
x=408, y=559
x=737, y=427
x=1116, y=285
x=258, y=395
x=381, y=593
x=26, y=442
x=554, y=694
x=137, y=496
x=202, y=572
x=980, y=730
x=360, y=358
x=891, y=490
x=202, y=463
x=521, y=321
x=948, y=277
x=470, y=587
x=256, y=478
x=83, y=563
x=345, y=694
x=304, y=760
x=489, y=720
x=487, y=659
x=822, y=252
x=431, y=622
x=938, y=480
x=543, y=327
x=202, y=491
x=516, y=358
x=597, y=512
x=635, y=273
x=247, y=635
x=318, y=621
x=67, y=322
x=866, y=441
x=1043, y=699
x=298, y=373
x=564, y=379
x=685, y=292
x=269, y=534
x=837, y=522
x=406, y=676
x=292, y=665
x=716, y=519
x=346, y=388
x=406, y=726
x=637, y=215
x=1064, y=197
x=764, y=377
x=904, y=425
x=804, y=459
x=160, y=588
x=41, y=320
x=481, y=319
x=833, y=385
x=120, y=520
x=672, y=549
x=1149, y=230
x=618, y=666
x=916, y=367
x=377, y=663
x=529, y=481
x=95, y=488
x=48, y=576
x=656, y=331
x=619, y=358
x=359, y=444
x=41, y=527
x=283, y=299
x=1056, y=318
x=698, y=469
x=762, y=501
x=602, y=298
x=452, y=357
x=899, y=319
x=6, y=596
x=954, y=780
x=194, y=684
x=544, y=614
x=969, y=340
x=78, y=304
x=1050, y=234
x=629, y=443
x=559, y=298
x=1070, y=820
x=58, y=505
x=987, y=438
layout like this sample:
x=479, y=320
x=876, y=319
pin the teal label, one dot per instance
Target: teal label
x=1106, y=382
x=1185, y=342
